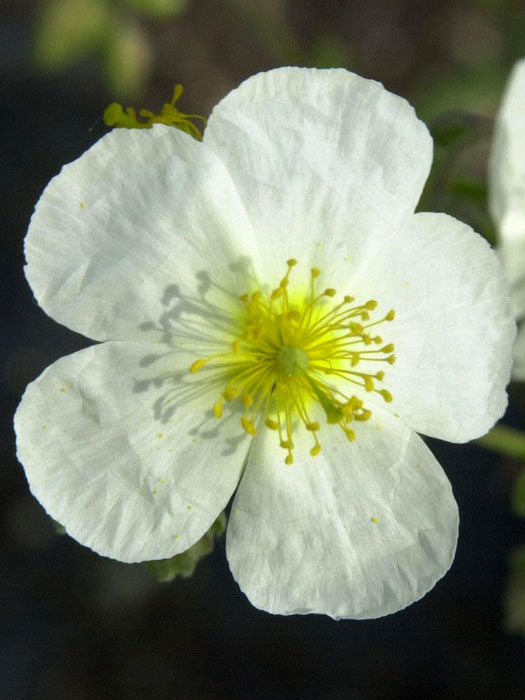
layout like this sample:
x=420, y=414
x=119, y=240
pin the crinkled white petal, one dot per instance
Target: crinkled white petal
x=138, y=213
x=507, y=161
x=453, y=331
x=325, y=162
x=362, y=530
x=511, y=251
x=507, y=183
x=120, y=447
x=518, y=371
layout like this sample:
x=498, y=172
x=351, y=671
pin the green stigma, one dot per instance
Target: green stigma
x=291, y=360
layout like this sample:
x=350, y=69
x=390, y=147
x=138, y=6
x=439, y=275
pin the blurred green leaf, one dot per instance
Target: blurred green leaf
x=477, y=91
x=473, y=190
x=184, y=564
x=327, y=51
x=67, y=30
x=159, y=9
x=450, y=130
x=507, y=441
x=514, y=596
x=518, y=497
x=517, y=559
x=270, y=26
x=59, y=529
x=128, y=60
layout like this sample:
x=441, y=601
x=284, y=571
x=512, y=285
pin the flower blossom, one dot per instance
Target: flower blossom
x=275, y=321
x=507, y=198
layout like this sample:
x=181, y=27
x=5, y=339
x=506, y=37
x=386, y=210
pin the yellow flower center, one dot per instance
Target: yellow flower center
x=296, y=353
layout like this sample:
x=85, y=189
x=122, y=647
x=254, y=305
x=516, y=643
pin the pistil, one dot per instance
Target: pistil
x=288, y=355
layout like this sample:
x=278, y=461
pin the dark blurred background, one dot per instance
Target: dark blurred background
x=78, y=627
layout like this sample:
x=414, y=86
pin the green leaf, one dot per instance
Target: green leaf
x=476, y=90
x=327, y=51
x=472, y=190
x=448, y=132
x=517, y=559
x=183, y=564
x=158, y=9
x=128, y=60
x=518, y=498
x=507, y=441
x=67, y=30
x=514, y=595
x=59, y=529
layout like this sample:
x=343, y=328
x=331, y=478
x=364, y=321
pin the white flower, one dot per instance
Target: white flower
x=507, y=198
x=247, y=286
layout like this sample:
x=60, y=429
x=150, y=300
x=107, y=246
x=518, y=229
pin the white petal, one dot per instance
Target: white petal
x=507, y=183
x=117, y=450
x=507, y=162
x=139, y=212
x=511, y=252
x=453, y=330
x=362, y=530
x=518, y=371
x=320, y=158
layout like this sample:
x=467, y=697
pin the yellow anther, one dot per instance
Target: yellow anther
x=369, y=384
x=364, y=415
x=348, y=411
x=374, y=520
x=352, y=405
x=247, y=400
x=230, y=393
x=390, y=315
x=248, y=425
x=288, y=354
x=197, y=365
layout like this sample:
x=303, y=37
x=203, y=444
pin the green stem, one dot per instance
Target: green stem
x=507, y=441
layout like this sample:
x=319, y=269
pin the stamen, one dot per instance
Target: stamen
x=116, y=116
x=197, y=365
x=287, y=356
